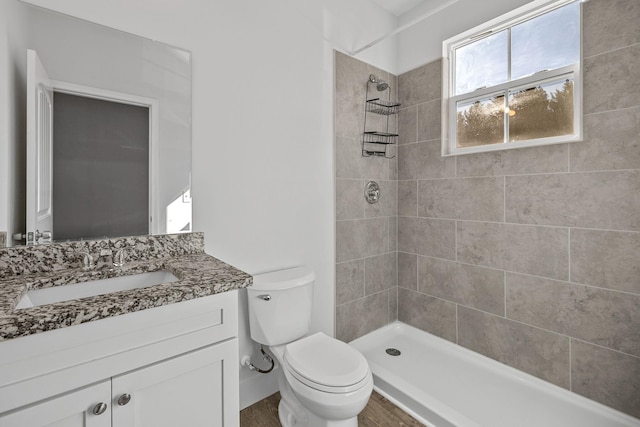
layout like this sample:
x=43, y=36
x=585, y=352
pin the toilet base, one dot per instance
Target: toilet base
x=288, y=419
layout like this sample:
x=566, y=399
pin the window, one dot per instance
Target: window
x=515, y=81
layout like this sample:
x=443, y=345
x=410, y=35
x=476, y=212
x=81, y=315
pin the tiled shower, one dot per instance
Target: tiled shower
x=528, y=256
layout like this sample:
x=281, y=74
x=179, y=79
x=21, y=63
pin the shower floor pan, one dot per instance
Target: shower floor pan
x=445, y=385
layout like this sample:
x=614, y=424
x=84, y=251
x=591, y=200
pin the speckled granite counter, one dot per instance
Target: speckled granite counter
x=26, y=268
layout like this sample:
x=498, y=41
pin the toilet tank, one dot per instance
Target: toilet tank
x=280, y=305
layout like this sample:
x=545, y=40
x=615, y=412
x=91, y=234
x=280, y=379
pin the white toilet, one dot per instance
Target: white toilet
x=323, y=382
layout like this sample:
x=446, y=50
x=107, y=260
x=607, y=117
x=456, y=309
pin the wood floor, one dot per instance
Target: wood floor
x=378, y=413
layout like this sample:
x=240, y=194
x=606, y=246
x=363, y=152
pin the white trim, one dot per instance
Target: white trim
x=154, y=135
x=449, y=101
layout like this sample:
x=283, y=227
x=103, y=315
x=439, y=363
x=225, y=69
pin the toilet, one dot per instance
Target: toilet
x=323, y=382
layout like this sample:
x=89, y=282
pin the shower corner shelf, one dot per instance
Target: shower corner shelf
x=385, y=108
x=376, y=142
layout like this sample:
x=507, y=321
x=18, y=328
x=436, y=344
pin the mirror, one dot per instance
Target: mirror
x=93, y=62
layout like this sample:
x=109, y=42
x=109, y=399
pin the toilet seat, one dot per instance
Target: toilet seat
x=326, y=364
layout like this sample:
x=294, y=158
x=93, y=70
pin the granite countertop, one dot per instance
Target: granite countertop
x=199, y=275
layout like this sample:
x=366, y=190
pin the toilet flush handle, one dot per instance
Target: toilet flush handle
x=265, y=297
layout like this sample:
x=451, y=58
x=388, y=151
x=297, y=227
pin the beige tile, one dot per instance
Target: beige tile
x=473, y=286
x=480, y=199
x=537, y=352
x=429, y=120
x=380, y=273
x=607, y=259
x=609, y=25
x=545, y=159
x=420, y=84
x=361, y=238
x=607, y=318
x=408, y=271
x=423, y=161
x=408, y=198
x=436, y=316
x=606, y=376
x=350, y=203
x=393, y=304
x=387, y=203
x=608, y=200
x=362, y=316
x=349, y=281
x=611, y=80
x=350, y=93
x=611, y=141
x=408, y=125
x=350, y=81
x=427, y=236
x=541, y=251
x=351, y=164
x=393, y=233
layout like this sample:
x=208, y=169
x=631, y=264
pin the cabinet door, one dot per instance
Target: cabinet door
x=74, y=409
x=198, y=389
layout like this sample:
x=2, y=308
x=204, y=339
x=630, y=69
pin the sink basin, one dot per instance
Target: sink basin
x=37, y=297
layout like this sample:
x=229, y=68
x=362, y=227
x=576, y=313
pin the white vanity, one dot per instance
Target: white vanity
x=124, y=363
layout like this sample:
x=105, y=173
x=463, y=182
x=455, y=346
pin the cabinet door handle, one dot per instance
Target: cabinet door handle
x=124, y=399
x=99, y=408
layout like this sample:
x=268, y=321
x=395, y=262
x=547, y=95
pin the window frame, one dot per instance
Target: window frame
x=450, y=100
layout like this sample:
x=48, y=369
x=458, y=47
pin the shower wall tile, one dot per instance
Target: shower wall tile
x=537, y=352
x=408, y=271
x=611, y=24
x=546, y=238
x=607, y=318
x=349, y=200
x=393, y=304
x=361, y=238
x=478, y=287
x=393, y=233
x=427, y=236
x=351, y=164
x=606, y=376
x=609, y=200
x=610, y=80
x=541, y=251
x=380, y=273
x=362, y=316
x=433, y=315
x=429, y=120
x=611, y=142
x=350, y=93
x=544, y=159
x=420, y=84
x=387, y=204
x=408, y=198
x=349, y=281
x=423, y=161
x=366, y=235
x=408, y=125
x=607, y=259
x=479, y=199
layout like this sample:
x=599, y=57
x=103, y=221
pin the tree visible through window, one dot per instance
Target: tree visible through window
x=516, y=83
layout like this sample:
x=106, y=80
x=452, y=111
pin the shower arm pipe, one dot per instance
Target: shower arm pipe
x=403, y=27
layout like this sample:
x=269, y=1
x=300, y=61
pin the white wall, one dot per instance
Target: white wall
x=262, y=125
x=13, y=63
x=422, y=43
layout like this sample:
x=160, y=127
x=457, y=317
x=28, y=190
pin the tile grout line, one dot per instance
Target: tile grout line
x=570, y=365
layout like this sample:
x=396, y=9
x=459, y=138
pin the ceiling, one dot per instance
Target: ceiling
x=397, y=7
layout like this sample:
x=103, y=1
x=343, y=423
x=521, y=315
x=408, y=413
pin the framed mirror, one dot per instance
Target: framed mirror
x=108, y=132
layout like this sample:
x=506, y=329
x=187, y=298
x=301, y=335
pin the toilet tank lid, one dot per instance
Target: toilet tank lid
x=283, y=279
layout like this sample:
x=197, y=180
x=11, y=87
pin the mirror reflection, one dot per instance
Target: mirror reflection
x=108, y=132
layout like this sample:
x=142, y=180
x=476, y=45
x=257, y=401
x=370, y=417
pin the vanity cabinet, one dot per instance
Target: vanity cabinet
x=73, y=409
x=165, y=367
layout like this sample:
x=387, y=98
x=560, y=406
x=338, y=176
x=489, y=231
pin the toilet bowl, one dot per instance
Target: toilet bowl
x=323, y=381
